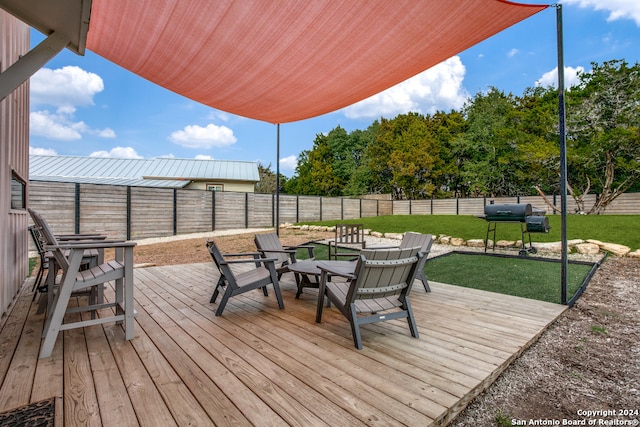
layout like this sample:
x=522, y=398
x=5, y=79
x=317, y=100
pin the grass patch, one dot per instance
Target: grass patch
x=321, y=251
x=32, y=265
x=621, y=229
x=525, y=277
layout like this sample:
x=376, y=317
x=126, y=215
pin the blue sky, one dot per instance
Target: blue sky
x=87, y=106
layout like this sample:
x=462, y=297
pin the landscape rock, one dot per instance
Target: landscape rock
x=634, y=254
x=444, y=240
x=396, y=236
x=548, y=247
x=595, y=242
x=475, y=243
x=457, y=241
x=377, y=234
x=505, y=243
x=587, y=248
x=616, y=249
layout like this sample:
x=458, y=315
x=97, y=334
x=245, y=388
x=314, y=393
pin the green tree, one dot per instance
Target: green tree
x=603, y=137
x=267, y=183
x=447, y=128
x=301, y=181
x=403, y=157
x=490, y=149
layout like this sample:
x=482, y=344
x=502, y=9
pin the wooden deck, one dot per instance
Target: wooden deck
x=258, y=365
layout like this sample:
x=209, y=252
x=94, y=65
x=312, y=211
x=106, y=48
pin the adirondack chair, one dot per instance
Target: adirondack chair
x=119, y=270
x=269, y=246
x=43, y=263
x=411, y=239
x=349, y=236
x=378, y=289
x=231, y=283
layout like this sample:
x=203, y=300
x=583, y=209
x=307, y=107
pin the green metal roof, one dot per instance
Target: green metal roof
x=161, y=172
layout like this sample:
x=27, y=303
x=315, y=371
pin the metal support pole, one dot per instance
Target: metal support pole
x=278, y=181
x=563, y=156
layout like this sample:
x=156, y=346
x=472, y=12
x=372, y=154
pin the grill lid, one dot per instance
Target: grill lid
x=510, y=212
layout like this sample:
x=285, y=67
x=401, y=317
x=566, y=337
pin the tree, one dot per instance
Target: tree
x=603, y=136
x=488, y=150
x=403, y=157
x=267, y=183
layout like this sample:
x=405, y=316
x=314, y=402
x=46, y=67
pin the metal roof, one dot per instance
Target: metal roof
x=158, y=183
x=139, y=172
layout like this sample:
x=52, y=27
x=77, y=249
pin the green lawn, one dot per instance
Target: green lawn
x=519, y=276
x=622, y=229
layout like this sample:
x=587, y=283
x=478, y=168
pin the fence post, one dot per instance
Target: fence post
x=175, y=211
x=457, y=206
x=297, y=208
x=77, y=209
x=341, y=208
x=246, y=210
x=320, y=208
x=213, y=210
x=128, y=213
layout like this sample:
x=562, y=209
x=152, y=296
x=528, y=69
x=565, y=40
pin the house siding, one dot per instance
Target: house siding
x=14, y=159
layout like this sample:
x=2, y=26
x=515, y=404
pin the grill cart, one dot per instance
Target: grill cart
x=531, y=220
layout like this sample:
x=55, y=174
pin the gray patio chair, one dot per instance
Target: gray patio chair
x=231, y=283
x=43, y=263
x=269, y=246
x=68, y=257
x=378, y=289
x=347, y=236
x=412, y=239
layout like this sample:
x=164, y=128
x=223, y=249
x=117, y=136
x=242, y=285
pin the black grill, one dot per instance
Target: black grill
x=517, y=212
x=531, y=220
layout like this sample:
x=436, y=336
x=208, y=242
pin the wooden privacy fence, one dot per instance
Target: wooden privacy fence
x=134, y=213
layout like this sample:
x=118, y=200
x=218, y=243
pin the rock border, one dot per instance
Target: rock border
x=584, y=247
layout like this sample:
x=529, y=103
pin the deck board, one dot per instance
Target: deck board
x=259, y=365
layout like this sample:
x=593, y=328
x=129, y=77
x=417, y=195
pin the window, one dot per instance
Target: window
x=18, y=186
x=215, y=187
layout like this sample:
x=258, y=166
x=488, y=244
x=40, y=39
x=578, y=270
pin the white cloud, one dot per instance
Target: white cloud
x=106, y=133
x=203, y=157
x=550, y=78
x=42, y=151
x=194, y=136
x=66, y=87
x=289, y=163
x=438, y=88
x=618, y=9
x=52, y=126
x=62, y=126
x=513, y=52
x=119, y=152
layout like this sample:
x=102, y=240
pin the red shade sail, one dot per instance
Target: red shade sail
x=286, y=60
